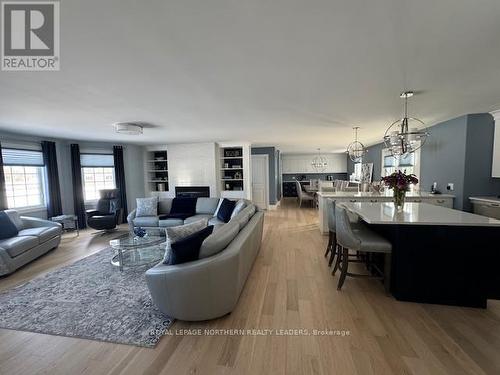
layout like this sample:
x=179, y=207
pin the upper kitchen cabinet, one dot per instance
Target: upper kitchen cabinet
x=301, y=163
x=495, y=170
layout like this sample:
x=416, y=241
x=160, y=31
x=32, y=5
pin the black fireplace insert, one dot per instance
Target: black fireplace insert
x=192, y=191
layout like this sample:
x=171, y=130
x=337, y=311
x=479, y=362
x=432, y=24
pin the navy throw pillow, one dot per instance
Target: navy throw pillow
x=225, y=210
x=188, y=249
x=7, y=228
x=183, y=207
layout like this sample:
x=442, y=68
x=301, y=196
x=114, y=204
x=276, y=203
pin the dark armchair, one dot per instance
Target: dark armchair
x=107, y=214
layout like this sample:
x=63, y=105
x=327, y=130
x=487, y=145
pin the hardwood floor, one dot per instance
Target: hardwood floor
x=290, y=287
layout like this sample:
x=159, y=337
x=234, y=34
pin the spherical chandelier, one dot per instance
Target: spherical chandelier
x=356, y=149
x=403, y=137
x=319, y=162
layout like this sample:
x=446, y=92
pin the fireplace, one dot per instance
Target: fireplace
x=192, y=191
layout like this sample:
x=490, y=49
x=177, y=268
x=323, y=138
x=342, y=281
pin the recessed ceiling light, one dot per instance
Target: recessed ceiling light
x=129, y=128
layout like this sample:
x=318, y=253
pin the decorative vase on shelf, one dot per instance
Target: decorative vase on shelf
x=400, y=183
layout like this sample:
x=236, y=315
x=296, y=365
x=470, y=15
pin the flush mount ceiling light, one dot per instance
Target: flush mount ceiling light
x=129, y=128
x=403, y=137
x=356, y=149
x=319, y=162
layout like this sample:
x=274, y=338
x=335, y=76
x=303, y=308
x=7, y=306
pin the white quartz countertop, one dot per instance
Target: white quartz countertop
x=416, y=214
x=385, y=194
x=494, y=200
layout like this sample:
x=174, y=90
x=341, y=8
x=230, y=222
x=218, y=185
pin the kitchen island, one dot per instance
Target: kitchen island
x=439, y=255
x=444, y=200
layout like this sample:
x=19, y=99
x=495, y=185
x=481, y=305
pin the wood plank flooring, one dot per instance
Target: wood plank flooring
x=289, y=287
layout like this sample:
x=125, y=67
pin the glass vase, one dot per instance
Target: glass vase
x=399, y=199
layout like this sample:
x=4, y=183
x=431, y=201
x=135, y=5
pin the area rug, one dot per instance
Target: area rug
x=89, y=299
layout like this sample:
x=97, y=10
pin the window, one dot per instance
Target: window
x=357, y=171
x=98, y=172
x=410, y=164
x=24, y=178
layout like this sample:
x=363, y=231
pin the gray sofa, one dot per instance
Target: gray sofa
x=210, y=287
x=35, y=238
x=205, y=208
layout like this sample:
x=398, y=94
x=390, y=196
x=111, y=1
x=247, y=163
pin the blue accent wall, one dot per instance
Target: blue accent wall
x=479, y=158
x=442, y=158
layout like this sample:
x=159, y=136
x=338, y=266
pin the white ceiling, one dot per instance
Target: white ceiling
x=293, y=73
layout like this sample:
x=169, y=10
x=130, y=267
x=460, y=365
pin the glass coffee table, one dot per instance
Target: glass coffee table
x=133, y=251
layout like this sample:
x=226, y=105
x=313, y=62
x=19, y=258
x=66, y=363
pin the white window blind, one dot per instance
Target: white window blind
x=17, y=157
x=97, y=160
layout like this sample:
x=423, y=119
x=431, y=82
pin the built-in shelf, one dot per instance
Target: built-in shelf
x=231, y=167
x=157, y=168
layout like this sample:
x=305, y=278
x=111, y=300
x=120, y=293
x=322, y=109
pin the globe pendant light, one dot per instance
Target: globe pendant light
x=356, y=149
x=319, y=162
x=403, y=137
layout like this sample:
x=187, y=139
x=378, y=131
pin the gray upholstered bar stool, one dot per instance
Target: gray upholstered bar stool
x=332, y=247
x=332, y=239
x=361, y=239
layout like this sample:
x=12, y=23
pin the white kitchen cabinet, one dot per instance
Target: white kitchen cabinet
x=301, y=163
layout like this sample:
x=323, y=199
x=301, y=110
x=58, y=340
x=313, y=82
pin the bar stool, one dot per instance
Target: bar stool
x=362, y=240
x=332, y=238
x=332, y=247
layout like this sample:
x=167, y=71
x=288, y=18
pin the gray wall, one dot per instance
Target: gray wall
x=133, y=161
x=278, y=176
x=478, y=158
x=443, y=158
x=458, y=151
x=273, y=171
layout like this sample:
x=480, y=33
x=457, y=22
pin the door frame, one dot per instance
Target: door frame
x=266, y=170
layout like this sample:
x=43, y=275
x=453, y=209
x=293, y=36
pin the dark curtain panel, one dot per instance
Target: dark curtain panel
x=54, y=206
x=3, y=197
x=78, y=201
x=120, y=179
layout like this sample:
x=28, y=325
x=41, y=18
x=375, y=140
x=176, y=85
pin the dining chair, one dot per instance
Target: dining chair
x=302, y=195
x=364, y=241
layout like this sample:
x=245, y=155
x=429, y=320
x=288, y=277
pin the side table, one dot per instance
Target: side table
x=68, y=223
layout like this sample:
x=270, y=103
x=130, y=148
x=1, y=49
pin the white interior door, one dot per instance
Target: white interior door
x=260, y=185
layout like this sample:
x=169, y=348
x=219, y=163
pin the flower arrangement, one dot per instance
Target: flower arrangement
x=140, y=232
x=400, y=183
